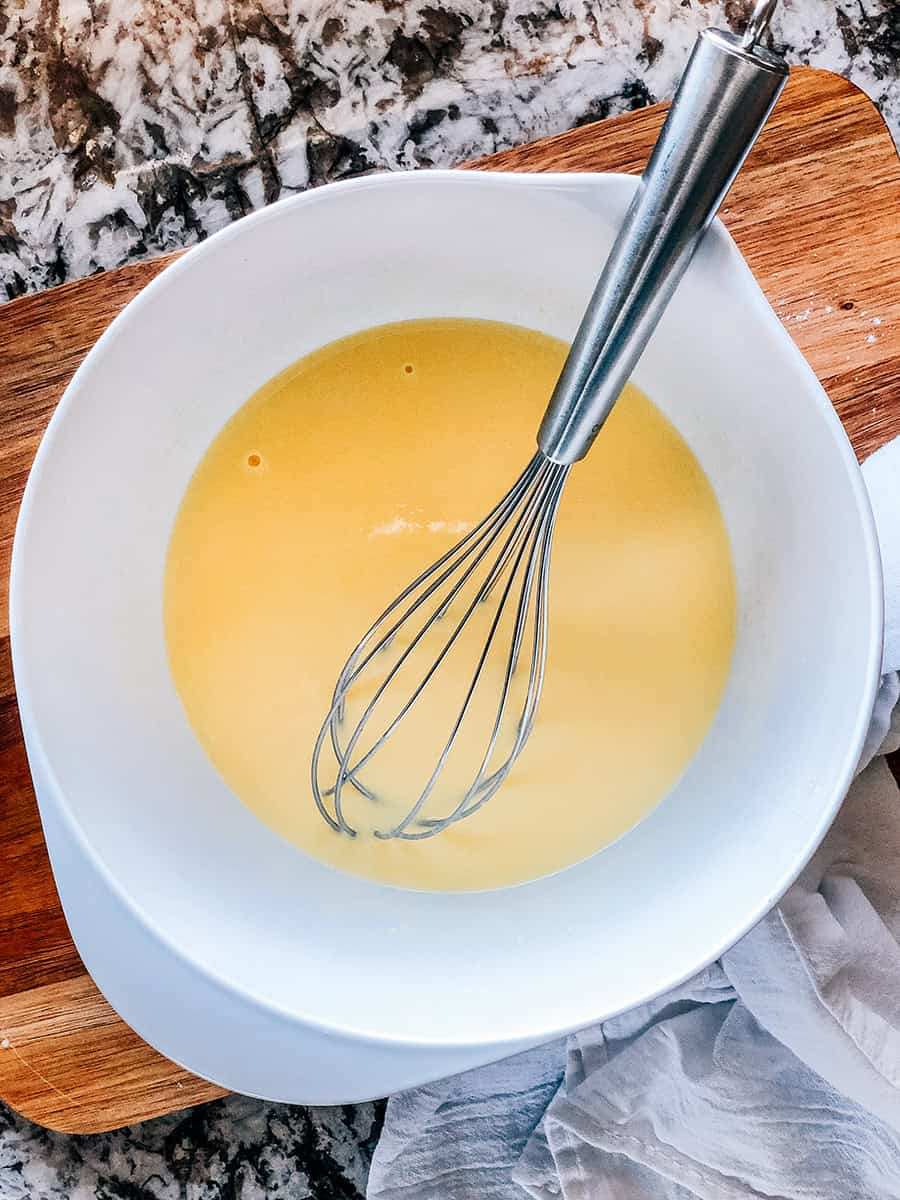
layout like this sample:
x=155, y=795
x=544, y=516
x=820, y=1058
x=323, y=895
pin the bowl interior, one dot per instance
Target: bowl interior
x=101, y=711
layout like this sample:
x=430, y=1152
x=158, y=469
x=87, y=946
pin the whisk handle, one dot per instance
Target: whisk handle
x=725, y=96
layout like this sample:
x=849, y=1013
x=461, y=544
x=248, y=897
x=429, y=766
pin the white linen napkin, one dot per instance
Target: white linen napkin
x=881, y=471
x=773, y=1074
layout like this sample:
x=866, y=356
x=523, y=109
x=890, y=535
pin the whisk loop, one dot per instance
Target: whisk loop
x=508, y=550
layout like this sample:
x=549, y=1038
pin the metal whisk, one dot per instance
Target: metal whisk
x=499, y=573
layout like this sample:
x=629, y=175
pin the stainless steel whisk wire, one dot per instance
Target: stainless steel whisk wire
x=534, y=498
x=725, y=96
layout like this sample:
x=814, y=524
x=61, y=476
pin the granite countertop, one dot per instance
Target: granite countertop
x=128, y=128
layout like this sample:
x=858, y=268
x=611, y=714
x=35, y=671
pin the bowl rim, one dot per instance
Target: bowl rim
x=25, y=676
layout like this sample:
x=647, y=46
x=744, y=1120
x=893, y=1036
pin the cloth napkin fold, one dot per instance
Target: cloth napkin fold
x=774, y=1073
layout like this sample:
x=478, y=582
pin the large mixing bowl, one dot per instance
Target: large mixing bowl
x=228, y=949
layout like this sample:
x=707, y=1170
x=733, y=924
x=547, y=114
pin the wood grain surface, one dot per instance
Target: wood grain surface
x=816, y=212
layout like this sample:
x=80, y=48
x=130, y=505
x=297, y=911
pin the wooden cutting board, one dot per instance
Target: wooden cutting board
x=816, y=212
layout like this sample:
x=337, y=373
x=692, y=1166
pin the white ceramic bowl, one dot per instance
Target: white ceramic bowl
x=228, y=949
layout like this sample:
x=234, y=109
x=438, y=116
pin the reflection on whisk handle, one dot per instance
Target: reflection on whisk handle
x=725, y=96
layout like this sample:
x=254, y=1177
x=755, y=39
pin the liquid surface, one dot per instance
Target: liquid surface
x=338, y=482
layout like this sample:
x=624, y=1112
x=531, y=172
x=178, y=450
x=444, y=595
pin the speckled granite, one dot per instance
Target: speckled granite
x=233, y=1149
x=128, y=127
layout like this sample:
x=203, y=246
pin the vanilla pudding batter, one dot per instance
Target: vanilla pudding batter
x=346, y=475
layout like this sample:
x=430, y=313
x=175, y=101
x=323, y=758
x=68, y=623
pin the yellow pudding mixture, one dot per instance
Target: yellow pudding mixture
x=346, y=475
